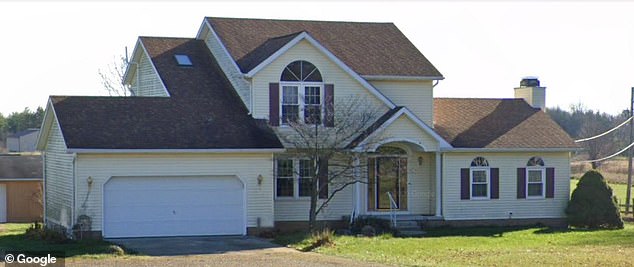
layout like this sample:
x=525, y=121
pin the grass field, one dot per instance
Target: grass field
x=12, y=237
x=489, y=246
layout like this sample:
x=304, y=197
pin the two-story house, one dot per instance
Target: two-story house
x=196, y=150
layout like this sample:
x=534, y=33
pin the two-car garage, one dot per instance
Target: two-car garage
x=173, y=206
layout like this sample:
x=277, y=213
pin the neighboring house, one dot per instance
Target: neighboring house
x=20, y=188
x=23, y=141
x=196, y=150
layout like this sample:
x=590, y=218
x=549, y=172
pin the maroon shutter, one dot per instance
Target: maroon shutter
x=323, y=178
x=274, y=104
x=521, y=182
x=465, y=184
x=329, y=100
x=550, y=182
x=495, y=183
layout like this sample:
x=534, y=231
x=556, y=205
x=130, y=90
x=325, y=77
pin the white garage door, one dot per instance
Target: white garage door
x=173, y=206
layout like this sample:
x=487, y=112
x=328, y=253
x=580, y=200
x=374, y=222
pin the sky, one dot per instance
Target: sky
x=583, y=52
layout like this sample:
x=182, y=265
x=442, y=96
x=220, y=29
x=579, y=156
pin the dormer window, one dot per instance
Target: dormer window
x=301, y=93
x=183, y=60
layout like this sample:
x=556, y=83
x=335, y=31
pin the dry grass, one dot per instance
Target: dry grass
x=614, y=171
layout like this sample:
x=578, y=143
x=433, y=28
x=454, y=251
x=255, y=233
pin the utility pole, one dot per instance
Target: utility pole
x=629, y=159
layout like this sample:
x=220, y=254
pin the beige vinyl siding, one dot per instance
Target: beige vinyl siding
x=345, y=86
x=247, y=167
x=59, y=178
x=455, y=208
x=296, y=209
x=417, y=96
x=403, y=128
x=421, y=183
x=148, y=82
x=228, y=66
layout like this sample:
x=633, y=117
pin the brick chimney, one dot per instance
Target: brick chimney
x=532, y=93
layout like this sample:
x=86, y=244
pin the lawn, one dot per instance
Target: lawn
x=12, y=237
x=488, y=246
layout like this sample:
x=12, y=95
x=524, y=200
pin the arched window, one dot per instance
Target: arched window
x=535, y=161
x=480, y=178
x=479, y=162
x=302, y=91
x=535, y=177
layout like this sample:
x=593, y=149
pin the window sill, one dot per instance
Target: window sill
x=479, y=198
x=292, y=199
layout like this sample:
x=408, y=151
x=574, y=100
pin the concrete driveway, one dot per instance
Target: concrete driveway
x=173, y=246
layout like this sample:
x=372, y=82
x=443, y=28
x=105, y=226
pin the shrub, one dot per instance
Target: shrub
x=325, y=237
x=37, y=231
x=592, y=204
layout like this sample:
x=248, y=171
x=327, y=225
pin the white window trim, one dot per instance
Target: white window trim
x=301, y=91
x=296, y=178
x=488, y=182
x=543, y=171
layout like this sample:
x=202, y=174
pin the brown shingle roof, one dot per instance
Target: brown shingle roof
x=367, y=48
x=202, y=112
x=496, y=123
x=12, y=167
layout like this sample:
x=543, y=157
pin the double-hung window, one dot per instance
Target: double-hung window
x=480, y=178
x=301, y=93
x=535, y=178
x=294, y=178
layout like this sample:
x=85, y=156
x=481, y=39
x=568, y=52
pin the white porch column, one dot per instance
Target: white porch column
x=356, y=202
x=438, y=184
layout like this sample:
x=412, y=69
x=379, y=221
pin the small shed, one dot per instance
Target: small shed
x=23, y=141
x=21, y=188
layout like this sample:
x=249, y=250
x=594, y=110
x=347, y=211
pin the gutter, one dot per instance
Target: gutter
x=474, y=150
x=176, y=151
x=400, y=78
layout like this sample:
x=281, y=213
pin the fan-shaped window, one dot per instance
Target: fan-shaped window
x=302, y=93
x=479, y=162
x=535, y=161
x=301, y=71
x=390, y=150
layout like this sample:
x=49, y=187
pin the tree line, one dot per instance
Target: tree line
x=19, y=121
x=581, y=122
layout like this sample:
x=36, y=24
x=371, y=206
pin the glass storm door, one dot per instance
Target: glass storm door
x=387, y=174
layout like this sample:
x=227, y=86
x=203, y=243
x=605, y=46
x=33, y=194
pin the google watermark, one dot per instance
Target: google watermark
x=26, y=258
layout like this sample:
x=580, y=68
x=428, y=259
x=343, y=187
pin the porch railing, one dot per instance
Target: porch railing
x=393, y=208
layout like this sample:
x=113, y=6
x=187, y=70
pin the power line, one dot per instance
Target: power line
x=609, y=131
x=608, y=157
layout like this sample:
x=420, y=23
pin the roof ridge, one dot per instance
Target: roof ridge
x=166, y=37
x=301, y=20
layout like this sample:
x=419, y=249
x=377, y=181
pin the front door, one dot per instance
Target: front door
x=387, y=178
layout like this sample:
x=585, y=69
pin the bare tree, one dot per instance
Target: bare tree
x=112, y=77
x=600, y=147
x=329, y=150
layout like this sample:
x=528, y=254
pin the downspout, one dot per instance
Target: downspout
x=436, y=83
x=72, y=211
x=439, y=159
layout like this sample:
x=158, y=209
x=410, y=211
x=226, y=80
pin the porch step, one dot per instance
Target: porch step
x=407, y=224
x=409, y=228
